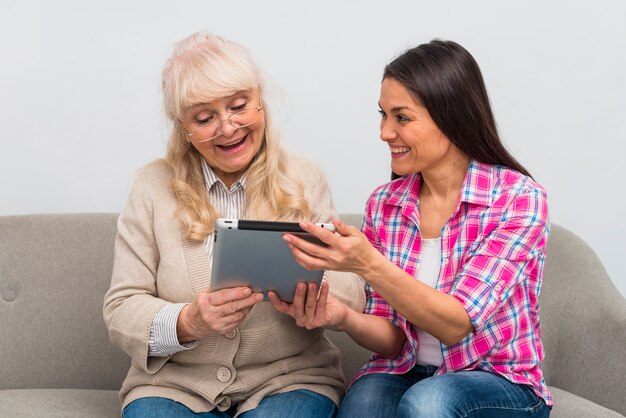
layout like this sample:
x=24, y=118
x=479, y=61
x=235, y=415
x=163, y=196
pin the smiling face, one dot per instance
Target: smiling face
x=415, y=141
x=231, y=152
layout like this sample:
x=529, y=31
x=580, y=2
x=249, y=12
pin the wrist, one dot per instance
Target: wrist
x=347, y=323
x=184, y=329
x=374, y=264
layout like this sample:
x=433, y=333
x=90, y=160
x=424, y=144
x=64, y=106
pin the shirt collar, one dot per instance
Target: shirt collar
x=478, y=184
x=210, y=178
x=476, y=189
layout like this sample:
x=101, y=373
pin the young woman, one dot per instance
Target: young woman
x=197, y=353
x=452, y=251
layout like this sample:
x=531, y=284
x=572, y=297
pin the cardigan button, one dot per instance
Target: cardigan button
x=223, y=374
x=225, y=403
x=231, y=334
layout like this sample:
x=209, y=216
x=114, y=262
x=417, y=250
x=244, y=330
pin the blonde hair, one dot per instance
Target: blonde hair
x=203, y=68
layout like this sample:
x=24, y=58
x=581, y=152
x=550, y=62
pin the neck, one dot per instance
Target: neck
x=444, y=182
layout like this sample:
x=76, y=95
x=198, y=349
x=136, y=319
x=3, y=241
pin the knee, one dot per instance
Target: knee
x=433, y=397
x=354, y=404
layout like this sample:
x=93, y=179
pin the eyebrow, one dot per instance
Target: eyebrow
x=397, y=108
x=243, y=94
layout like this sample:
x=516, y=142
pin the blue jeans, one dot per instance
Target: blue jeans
x=421, y=393
x=298, y=403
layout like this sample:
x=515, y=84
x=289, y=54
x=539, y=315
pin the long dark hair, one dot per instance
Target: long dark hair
x=444, y=77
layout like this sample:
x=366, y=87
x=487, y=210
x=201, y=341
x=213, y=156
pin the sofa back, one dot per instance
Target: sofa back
x=55, y=270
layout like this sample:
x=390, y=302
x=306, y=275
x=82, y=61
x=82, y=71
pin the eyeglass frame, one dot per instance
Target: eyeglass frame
x=257, y=108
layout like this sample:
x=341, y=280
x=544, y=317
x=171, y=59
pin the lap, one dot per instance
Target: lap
x=156, y=407
x=378, y=394
x=470, y=394
x=297, y=403
x=419, y=393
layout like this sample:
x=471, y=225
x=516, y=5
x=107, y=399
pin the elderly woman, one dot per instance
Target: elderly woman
x=452, y=250
x=224, y=353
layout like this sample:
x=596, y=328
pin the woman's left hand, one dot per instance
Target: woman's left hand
x=311, y=312
x=346, y=250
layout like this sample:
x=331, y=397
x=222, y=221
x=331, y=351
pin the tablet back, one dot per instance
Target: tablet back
x=253, y=253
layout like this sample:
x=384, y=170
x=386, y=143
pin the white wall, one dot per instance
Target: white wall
x=80, y=106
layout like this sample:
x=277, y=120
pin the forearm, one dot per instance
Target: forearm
x=430, y=310
x=374, y=333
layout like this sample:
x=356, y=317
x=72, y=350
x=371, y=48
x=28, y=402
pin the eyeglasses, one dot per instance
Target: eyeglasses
x=237, y=119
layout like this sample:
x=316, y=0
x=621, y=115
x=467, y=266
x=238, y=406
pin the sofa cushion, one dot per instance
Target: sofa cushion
x=567, y=405
x=70, y=403
x=59, y=403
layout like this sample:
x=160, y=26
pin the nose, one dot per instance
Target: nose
x=387, y=131
x=226, y=128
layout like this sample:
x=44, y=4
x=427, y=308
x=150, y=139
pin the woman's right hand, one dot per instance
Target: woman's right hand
x=215, y=313
x=311, y=311
x=346, y=249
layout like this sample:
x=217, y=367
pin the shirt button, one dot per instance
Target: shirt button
x=231, y=334
x=223, y=374
x=225, y=403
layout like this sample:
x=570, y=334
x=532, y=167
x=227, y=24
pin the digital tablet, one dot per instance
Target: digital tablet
x=253, y=253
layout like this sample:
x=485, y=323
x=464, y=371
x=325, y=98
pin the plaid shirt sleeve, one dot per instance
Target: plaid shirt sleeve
x=516, y=235
x=375, y=304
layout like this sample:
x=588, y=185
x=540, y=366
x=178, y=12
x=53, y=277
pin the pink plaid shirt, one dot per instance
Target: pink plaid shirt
x=492, y=255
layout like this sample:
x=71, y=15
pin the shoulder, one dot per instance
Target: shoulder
x=395, y=191
x=316, y=190
x=308, y=174
x=155, y=172
x=158, y=169
x=512, y=183
x=154, y=178
x=518, y=195
x=385, y=190
x=307, y=170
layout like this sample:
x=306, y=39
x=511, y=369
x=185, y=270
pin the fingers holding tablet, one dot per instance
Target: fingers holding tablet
x=312, y=310
x=217, y=312
x=346, y=250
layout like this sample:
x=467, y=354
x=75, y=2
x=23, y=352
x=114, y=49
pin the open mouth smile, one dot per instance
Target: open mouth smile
x=233, y=145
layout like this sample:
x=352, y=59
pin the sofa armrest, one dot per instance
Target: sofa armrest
x=583, y=317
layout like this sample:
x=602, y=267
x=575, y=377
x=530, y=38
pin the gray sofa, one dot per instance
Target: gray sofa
x=56, y=359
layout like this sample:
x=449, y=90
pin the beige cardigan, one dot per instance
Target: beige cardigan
x=155, y=264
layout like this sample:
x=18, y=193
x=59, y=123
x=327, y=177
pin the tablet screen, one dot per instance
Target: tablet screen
x=253, y=253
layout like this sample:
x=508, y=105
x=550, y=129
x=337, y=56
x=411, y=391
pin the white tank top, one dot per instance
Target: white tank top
x=429, y=351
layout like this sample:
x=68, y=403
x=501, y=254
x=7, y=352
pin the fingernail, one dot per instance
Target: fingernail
x=258, y=296
x=247, y=291
x=287, y=238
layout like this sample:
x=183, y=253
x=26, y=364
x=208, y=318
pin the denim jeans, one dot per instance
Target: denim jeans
x=298, y=403
x=421, y=393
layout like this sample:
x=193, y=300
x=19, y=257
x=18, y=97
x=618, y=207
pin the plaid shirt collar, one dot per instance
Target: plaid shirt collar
x=477, y=189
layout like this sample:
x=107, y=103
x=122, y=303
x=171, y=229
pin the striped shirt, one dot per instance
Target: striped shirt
x=492, y=255
x=229, y=203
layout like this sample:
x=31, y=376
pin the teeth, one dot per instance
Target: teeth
x=399, y=150
x=231, y=145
